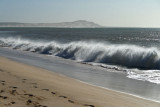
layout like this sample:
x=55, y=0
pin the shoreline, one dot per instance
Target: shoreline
x=68, y=91
x=119, y=92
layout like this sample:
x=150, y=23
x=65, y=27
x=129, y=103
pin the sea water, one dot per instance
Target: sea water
x=90, y=54
x=132, y=50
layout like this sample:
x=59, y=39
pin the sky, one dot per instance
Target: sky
x=110, y=13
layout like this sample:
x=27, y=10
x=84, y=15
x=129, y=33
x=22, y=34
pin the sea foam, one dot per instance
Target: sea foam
x=125, y=55
x=147, y=60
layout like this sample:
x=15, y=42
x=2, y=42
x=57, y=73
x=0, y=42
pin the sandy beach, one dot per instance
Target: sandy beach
x=27, y=86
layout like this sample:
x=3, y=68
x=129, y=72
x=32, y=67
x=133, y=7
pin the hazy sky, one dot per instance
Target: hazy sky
x=116, y=13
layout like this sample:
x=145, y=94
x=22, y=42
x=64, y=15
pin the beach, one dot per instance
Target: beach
x=24, y=85
x=79, y=54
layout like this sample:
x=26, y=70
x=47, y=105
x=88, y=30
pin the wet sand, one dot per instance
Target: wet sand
x=22, y=86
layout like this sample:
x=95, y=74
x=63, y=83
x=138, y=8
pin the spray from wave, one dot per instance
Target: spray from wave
x=124, y=55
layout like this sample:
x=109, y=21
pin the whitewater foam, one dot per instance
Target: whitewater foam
x=130, y=56
x=125, y=55
x=147, y=75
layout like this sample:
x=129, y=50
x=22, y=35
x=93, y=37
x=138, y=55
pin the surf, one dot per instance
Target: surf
x=131, y=56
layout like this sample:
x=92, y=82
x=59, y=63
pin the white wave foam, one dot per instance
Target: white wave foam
x=147, y=75
x=124, y=55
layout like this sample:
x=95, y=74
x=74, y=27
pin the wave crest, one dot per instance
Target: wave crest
x=125, y=55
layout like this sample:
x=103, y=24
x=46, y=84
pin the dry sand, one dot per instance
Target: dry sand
x=27, y=86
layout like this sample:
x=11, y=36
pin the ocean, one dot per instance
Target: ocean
x=126, y=60
x=133, y=51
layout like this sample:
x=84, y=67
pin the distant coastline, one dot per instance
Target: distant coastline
x=75, y=24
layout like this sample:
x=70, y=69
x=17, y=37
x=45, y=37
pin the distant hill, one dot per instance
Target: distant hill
x=75, y=24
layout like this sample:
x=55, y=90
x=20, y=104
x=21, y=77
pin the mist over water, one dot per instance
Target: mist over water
x=133, y=49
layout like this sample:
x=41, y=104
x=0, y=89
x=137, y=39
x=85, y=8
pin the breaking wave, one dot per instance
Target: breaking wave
x=125, y=55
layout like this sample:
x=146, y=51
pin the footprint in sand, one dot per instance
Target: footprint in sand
x=14, y=87
x=3, y=83
x=46, y=89
x=35, y=104
x=35, y=86
x=70, y=101
x=13, y=102
x=1, y=91
x=30, y=95
x=42, y=106
x=28, y=101
x=1, y=70
x=53, y=92
x=13, y=92
x=89, y=105
x=62, y=96
x=24, y=80
x=3, y=97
